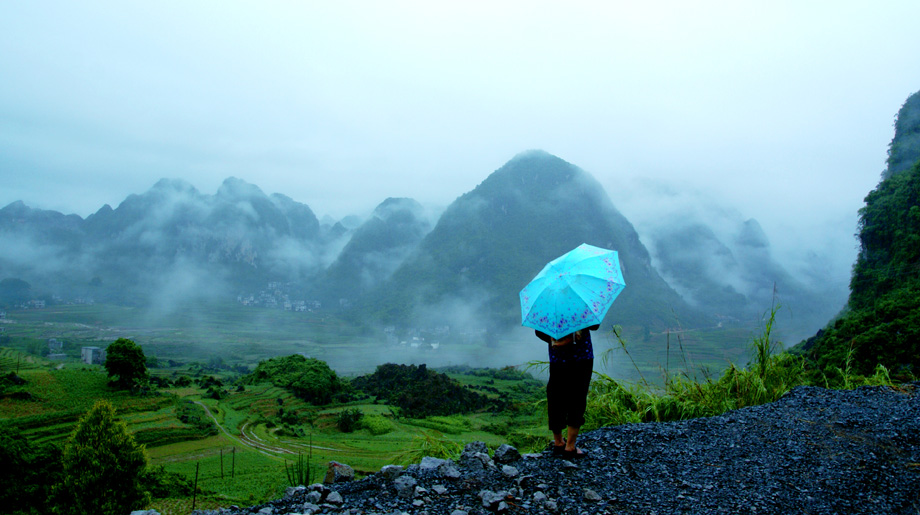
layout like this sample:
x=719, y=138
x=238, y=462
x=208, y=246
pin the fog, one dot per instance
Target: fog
x=714, y=111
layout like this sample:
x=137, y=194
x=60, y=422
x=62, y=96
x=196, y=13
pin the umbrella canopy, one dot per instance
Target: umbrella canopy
x=573, y=291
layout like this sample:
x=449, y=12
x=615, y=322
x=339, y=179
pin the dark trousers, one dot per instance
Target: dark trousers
x=567, y=393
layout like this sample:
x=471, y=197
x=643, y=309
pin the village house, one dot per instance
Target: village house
x=92, y=355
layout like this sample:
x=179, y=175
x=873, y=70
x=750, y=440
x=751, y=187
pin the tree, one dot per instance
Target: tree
x=126, y=364
x=102, y=466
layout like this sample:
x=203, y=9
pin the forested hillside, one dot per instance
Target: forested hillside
x=882, y=322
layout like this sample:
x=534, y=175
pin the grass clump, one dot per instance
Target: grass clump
x=377, y=424
x=767, y=378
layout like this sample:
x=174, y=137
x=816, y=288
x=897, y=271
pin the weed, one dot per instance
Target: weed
x=429, y=443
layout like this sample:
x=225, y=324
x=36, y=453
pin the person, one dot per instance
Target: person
x=571, y=363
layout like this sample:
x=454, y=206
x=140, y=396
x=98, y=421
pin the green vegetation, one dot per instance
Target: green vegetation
x=882, y=322
x=102, y=466
x=419, y=392
x=126, y=364
x=308, y=378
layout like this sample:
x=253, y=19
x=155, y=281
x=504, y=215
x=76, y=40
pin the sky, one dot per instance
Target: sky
x=779, y=111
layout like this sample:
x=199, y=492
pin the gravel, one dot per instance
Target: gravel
x=814, y=451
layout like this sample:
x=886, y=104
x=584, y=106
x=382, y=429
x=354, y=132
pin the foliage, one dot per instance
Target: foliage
x=419, y=392
x=161, y=483
x=27, y=474
x=429, y=443
x=347, y=420
x=767, y=378
x=882, y=324
x=376, y=424
x=308, y=378
x=102, y=466
x=194, y=415
x=904, y=150
x=126, y=364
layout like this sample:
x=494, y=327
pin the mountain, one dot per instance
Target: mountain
x=491, y=241
x=881, y=324
x=734, y=278
x=171, y=240
x=376, y=249
x=904, y=149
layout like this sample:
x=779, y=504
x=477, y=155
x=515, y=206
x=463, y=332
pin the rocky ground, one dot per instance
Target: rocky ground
x=814, y=451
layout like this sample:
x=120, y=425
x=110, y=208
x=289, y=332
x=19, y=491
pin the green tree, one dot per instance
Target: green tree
x=126, y=364
x=102, y=466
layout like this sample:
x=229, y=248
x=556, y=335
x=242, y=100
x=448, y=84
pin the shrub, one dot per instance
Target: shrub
x=348, y=419
x=102, y=466
x=376, y=424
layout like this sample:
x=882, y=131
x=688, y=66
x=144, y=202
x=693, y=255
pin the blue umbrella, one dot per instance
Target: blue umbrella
x=573, y=291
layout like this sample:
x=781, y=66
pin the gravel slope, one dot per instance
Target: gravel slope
x=814, y=451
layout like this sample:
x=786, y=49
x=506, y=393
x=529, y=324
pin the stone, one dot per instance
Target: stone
x=313, y=497
x=405, y=486
x=309, y=507
x=539, y=497
x=491, y=499
x=474, y=447
x=145, y=512
x=391, y=472
x=459, y=512
x=591, y=495
x=449, y=470
x=485, y=459
x=339, y=473
x=293, y=491
x=431, y=463
x=334, y=498
x=439, y=489
x=509, y=471
x=506, y=454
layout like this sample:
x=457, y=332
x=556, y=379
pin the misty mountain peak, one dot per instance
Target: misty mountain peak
x=174, y=186
x=16, y=209
x=752, y=235
x=237, y=189
x=398, y=205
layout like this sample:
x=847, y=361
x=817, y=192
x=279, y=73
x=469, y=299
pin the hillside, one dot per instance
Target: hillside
x=882, y=322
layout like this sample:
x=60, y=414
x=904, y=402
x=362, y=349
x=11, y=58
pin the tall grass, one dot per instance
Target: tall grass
x=767, y=378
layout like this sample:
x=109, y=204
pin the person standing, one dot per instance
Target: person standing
x=571, y=364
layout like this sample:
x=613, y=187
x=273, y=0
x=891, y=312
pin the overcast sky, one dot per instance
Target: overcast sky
x=780, y=110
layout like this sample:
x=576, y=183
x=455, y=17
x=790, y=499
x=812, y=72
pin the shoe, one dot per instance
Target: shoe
x=558, y=450
x=577, y=454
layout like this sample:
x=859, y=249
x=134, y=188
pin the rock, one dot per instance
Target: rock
x=591, y=495
x=334, y=498
x=405, y=486
x=439, y=489
x=509, y=471
x=459, y=512
x=539, y=498
x=309, y=507
x=391, y=472
x=294, y=491
x=449, y=470
x=313, y=497
x=139, y=512
x=339, y=473
x=474, y=447
x=485, y=459
x=491, y=500
x=430, y=463
x=506, y=454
